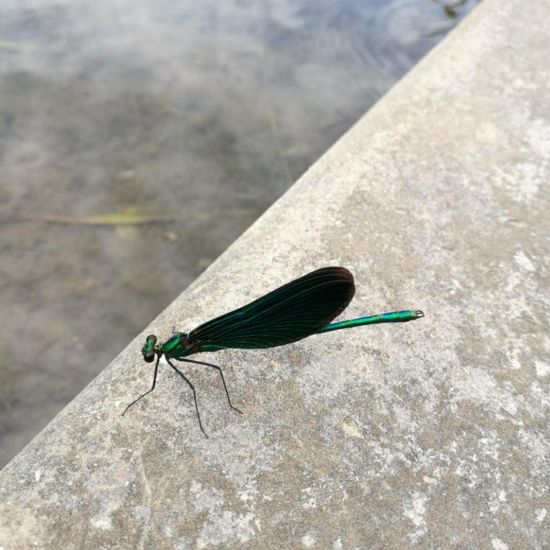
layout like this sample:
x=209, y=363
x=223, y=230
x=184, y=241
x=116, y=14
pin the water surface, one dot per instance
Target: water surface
x=200, y=112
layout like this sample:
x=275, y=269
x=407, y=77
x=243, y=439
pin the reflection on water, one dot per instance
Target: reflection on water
x=192, y=117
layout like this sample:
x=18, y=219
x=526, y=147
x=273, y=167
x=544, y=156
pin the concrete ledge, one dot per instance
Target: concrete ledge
x=432, y=433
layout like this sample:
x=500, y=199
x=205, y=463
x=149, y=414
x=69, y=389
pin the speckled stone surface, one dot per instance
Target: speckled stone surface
x=432, y=434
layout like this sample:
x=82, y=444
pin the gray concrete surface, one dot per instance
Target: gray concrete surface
x=432, y=434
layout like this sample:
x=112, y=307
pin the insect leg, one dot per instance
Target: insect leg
x=194, y=394
x=221, y=374
x=152, y=387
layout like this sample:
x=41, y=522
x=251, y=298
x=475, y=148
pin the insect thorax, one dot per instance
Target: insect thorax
x=178, y=346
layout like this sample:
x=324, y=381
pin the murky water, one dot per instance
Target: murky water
x=188, y=117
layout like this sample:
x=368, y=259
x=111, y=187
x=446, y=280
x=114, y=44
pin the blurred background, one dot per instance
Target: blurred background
x=138, y=139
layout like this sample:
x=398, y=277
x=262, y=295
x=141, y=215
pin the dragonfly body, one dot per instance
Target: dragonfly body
x=299, y=309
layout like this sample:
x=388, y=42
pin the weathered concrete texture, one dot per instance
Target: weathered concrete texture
x=429, y=434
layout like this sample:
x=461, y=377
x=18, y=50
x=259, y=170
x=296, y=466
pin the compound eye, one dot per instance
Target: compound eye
x=148, y=350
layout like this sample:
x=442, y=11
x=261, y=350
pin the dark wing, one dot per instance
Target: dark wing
x=289, y=313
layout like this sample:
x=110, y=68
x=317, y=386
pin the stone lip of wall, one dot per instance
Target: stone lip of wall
x=429, y=433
